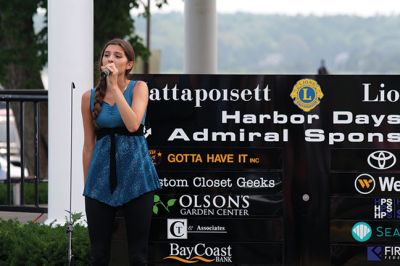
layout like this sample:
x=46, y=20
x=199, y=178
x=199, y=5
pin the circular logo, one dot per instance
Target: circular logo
x=306, y=94
x=361, y=231
x=381, y=160
x=364, y=184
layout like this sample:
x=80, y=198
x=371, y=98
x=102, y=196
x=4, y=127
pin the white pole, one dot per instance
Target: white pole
x=70, y=60
x=200, y=37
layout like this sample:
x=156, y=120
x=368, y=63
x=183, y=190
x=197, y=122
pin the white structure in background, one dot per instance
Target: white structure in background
x=200, y=37
x=70, y=60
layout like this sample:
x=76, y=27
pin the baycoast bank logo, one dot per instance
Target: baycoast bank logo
x=306, y=94
x=200, y=252
x=381, y=160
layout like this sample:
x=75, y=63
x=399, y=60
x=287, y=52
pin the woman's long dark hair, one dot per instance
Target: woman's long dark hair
x=100, y=89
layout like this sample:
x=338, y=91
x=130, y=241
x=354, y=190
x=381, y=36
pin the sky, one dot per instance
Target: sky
x=295, y=7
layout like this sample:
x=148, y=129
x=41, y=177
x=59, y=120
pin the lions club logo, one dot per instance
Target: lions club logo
x=306, y=94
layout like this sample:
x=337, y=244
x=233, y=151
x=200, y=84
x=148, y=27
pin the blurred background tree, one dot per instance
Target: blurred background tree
x=23, y=54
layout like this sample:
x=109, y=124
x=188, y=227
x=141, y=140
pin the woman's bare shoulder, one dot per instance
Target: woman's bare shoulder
x=141, y=85
x=86, y=95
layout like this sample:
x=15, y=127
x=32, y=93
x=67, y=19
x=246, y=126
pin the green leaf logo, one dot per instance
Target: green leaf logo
x=158, y=202
x=155, y=209
x=171, y=202
x=156, y=198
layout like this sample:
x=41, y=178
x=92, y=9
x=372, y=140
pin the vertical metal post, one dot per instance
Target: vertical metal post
x=8, y=153
x=22, y=151
x=37, y=158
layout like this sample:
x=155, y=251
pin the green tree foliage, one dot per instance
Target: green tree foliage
x=112, y=19
x=22, y=52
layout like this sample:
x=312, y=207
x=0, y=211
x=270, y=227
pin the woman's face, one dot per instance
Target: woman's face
x=115, y=54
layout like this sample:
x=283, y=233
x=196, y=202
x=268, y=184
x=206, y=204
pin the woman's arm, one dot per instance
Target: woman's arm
x=89, y=137
x=133, y=115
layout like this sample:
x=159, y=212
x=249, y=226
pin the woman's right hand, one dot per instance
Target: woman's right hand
x=113, y=76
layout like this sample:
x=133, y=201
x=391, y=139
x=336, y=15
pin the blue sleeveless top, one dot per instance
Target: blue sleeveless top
x=135, y=170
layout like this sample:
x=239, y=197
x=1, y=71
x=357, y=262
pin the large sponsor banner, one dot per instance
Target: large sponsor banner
x=275, y=170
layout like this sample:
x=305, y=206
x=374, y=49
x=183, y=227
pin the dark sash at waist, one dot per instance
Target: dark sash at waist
x=102, y=132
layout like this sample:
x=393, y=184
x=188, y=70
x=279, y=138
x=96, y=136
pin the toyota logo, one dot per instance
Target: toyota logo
x=381, y=160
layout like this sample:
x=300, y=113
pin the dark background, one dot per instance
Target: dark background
x=282, y=228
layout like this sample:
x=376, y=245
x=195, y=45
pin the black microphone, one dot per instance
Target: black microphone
x=105, y=73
